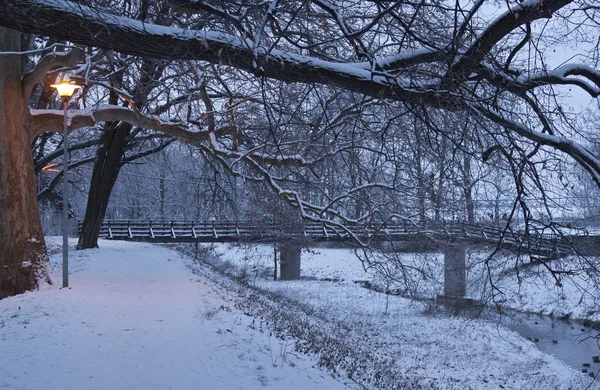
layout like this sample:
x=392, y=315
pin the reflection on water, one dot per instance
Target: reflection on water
x=570, y=341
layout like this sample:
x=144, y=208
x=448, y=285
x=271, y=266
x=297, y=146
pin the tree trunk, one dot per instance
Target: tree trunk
x=439, y=199
x=162, y=194
x=115, y=140
x=470, y=204
x=420, y=182
x=104, y=177
x=467, y=180
x=275, y=261
x=23, y=255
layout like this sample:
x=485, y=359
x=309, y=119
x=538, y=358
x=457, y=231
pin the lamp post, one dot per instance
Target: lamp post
x=65, y=91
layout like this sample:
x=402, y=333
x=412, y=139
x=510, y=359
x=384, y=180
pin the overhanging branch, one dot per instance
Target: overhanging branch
x=83, y=25
x=49, y=62
x=41, y=121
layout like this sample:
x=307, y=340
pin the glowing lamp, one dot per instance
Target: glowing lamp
x=65, y=89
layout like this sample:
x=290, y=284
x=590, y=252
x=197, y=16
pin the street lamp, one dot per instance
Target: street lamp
x=65, y=91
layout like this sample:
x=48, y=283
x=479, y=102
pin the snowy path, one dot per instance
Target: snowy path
x=136, y=318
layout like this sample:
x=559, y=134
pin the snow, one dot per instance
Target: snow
x=387, y=62
x=537, y=291
x=136, y=318
x=471, y=352
x=531, y=290
x=68, y=7
x=146, y=317
x=586, y=77
x=430, y=351
x=346, y=70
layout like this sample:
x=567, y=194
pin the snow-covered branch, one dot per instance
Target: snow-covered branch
x=84, y=25
x=41, y=121
x=521, y=14
x=52, y=120
x=580, y=153
x=50, y=61
x=564, y=75
x=47, y=158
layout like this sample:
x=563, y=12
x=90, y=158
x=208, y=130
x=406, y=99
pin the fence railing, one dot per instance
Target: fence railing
x=228, y=231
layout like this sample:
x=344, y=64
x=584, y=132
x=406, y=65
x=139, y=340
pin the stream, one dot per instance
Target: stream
x=570, y=341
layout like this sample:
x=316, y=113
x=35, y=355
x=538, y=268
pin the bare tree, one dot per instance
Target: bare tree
x=412, y=61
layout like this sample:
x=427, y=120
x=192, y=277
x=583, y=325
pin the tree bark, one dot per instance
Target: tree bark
x=104, y=177
x=114, y=142
x=23, y=255
x=439, y=199
x=467, y=180
x=275, y=261
x=420, y=176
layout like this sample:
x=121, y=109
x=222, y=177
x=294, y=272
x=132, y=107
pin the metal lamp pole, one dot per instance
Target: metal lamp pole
x=65, y=91
x=65, y=227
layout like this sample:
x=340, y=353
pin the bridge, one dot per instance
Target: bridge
x=162, y=231
x=447, y=237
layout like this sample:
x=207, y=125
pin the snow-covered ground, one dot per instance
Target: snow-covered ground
x=416, y=350
x=532, y=290
x=137, y=317
x=576, y=293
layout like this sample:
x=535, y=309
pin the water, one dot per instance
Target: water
x=569, y=341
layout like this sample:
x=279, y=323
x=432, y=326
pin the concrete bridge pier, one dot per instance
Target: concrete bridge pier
x=455, y=278
x=289, y=264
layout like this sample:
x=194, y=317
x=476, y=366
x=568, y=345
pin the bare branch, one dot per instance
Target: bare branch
x=41, y=121
x=195, y=6
x=45, y=160
x=49, y=62
x=95, y=28
x=523, y=13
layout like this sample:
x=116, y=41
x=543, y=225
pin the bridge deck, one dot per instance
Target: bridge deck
x=231, y=231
